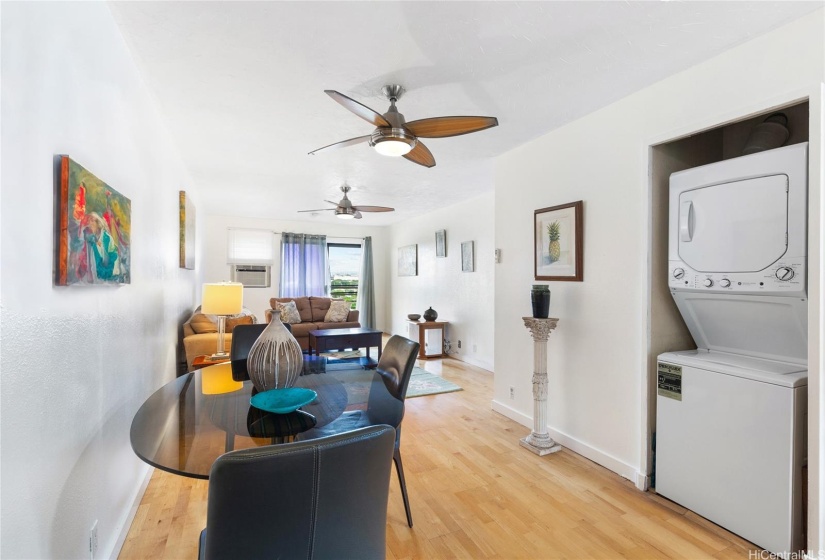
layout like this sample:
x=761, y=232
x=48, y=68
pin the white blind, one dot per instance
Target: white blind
x=250, y=246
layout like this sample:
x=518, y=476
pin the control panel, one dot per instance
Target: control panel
x=785, y=276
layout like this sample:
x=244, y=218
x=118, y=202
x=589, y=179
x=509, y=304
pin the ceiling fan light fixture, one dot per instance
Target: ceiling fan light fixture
x=392, y=142
x=345, y=213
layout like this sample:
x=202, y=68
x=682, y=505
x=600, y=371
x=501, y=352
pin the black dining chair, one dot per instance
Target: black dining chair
x=385, y=404
x=324, y=498
x=243, y=337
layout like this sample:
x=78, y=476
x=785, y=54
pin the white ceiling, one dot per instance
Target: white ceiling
x=241, y=85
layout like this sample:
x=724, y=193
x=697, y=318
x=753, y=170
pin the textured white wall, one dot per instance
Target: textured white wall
x=465, y=299
x=257, y=299
x=77, y=362
x=597, y=357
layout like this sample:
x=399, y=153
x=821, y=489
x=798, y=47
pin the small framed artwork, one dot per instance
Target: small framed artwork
x=441, y=243
x=467, y=257
x=187, y=232
x=558, y=243
x=94, y=224
x=408, y=260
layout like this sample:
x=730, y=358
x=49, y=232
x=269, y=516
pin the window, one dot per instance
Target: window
x=344, y=270
x=250, y=246
x=250, y=253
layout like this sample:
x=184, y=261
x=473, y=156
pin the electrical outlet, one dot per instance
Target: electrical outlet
x=459, y=344
x=512, y=392
x=475, y=348
x=93, y=541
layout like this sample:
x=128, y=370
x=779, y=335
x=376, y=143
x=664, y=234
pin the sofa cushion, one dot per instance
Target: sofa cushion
x=338, y=311
x=233, y=322
x=319, y=306
x=289, y=312
x=344, y=325
x=202, y=324
x=302, y=303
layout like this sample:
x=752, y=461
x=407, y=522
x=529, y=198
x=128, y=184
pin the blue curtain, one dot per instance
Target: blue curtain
x=304, y=267
x=366, y=287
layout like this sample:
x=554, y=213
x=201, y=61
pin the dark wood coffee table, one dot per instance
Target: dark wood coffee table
x=338, y=339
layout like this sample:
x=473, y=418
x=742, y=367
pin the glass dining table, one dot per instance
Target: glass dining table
x=189, y=422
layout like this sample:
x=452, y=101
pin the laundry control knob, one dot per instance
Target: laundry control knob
x=708, y=282
x=784, y=273
x=678, y=273
x=725, y=283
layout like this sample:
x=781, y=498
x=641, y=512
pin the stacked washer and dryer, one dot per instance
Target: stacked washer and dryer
x=731, y=415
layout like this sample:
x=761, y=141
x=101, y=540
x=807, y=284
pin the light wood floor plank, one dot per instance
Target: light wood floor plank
x=476, y=494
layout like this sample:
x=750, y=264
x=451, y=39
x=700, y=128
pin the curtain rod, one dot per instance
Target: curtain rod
x=280, y=232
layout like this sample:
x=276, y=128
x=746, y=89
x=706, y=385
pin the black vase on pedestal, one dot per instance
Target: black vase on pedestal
x=540, y=297
x=430, y=314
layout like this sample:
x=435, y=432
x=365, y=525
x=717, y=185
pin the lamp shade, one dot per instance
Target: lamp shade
x=223, y=298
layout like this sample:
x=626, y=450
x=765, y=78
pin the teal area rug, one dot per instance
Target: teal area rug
x=424, y=383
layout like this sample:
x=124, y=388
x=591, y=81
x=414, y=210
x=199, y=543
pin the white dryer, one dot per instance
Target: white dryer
x=730, y=439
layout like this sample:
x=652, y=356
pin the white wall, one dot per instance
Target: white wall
x=597, y=356
x=465, y=299
x=257, y=299
x=77, y=362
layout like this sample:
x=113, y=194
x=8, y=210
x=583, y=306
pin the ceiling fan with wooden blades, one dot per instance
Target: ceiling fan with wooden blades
x=345, y=210
x=393, y=136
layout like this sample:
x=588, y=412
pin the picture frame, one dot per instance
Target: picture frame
x=93, y=229
x=187, y=232
x=558, y=243
x=468, y=256
x=408, y=260
x=441, y=243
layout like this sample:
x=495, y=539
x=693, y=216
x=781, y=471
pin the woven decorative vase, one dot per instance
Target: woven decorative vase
x=275, y=360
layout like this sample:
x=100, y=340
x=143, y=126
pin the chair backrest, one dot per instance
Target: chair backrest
x=386, y=404
x=243, y=337
x=322, y=498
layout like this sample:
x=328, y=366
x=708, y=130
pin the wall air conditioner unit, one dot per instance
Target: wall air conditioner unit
x=251, y=276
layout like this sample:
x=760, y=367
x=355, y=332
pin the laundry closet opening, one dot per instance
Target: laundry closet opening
x=668, y=331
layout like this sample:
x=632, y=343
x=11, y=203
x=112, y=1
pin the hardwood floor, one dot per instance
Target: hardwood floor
x=475, y=493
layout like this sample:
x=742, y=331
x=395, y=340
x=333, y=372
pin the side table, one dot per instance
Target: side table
x=430, y=337
x=539, y=441
x=203, y=361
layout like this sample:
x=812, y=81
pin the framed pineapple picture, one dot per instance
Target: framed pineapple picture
x=558, y=243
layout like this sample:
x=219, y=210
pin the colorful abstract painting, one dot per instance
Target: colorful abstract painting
x=94, y=229
x=187, y=232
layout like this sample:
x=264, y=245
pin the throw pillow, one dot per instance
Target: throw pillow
x=231, y=323
x=289, y=312
x=201, y=324
x=338, y=311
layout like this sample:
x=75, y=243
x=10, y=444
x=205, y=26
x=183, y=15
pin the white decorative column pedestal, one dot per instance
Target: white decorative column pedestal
x=539, y=441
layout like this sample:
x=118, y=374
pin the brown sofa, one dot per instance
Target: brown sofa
x=312, y=311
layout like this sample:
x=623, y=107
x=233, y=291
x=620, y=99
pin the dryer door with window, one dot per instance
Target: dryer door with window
x=740, y=226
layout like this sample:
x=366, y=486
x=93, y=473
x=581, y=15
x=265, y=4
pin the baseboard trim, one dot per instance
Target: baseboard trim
x=477, y=363
x=130, y=516
x=584, y=449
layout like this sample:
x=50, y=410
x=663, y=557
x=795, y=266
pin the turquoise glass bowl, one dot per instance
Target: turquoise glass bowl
x=283, y=401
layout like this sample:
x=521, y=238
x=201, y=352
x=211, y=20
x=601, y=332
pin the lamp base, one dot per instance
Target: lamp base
x=218, y=356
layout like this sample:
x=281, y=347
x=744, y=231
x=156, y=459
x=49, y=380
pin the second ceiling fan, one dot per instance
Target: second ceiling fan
x=345, y=209
x=393, y=136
